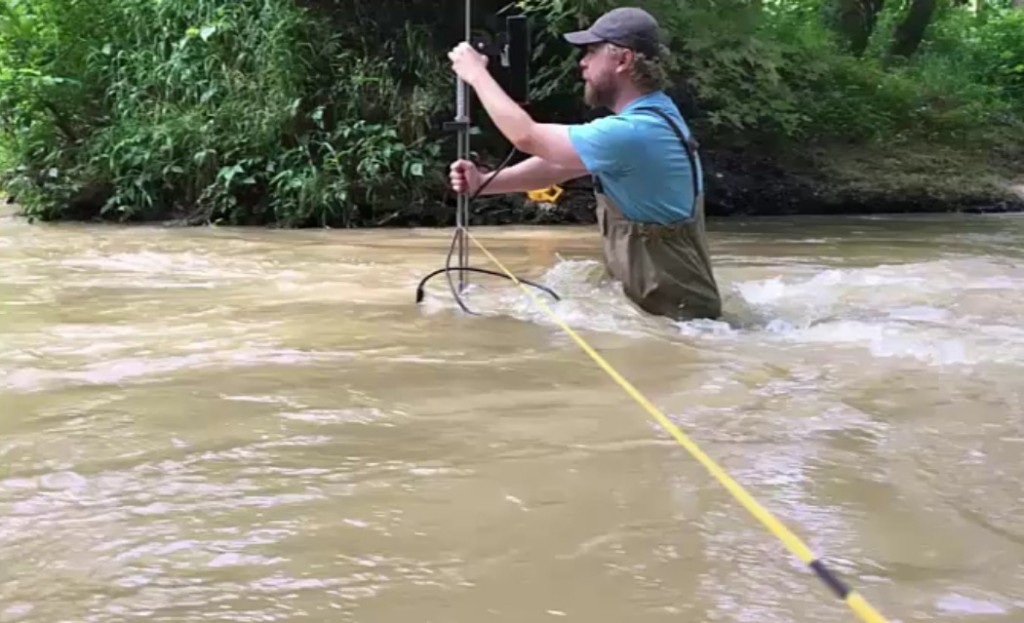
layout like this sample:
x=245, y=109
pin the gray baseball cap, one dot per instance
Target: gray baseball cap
x=629, y=27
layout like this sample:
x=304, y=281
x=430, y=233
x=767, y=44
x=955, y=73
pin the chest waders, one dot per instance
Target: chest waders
x=664, y=269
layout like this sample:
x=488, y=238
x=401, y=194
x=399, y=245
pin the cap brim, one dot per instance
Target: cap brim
x=582, y=37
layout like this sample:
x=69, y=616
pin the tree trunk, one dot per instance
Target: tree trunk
x=855, y=20
x=1018, y=4
x=910, y=31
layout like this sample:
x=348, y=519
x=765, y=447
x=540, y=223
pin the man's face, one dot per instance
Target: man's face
x=599, y=67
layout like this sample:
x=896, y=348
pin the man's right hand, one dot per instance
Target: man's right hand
x=465, y=177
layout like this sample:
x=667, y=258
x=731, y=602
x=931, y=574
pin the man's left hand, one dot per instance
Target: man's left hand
x=469, y=64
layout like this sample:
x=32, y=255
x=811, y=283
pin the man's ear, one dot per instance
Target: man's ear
x=626, y=60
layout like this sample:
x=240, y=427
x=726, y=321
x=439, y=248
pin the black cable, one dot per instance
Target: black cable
x=458, y=233
x=420, y=292
x=447, y=270
x=455, y=237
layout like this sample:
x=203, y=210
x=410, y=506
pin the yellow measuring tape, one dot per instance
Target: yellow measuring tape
x=547, y=195
x=855, y=601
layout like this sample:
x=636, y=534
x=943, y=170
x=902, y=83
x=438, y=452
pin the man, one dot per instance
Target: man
x=650, y=203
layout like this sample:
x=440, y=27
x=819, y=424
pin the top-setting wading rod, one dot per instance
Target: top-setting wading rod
x=510, y=63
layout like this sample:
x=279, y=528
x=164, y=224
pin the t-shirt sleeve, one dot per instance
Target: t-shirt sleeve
x=604, y=145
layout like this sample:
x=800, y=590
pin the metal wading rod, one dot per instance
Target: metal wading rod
x=462, y=118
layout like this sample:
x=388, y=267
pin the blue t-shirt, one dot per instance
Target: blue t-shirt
x=640, y=161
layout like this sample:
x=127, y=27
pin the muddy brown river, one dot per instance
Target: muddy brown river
x=218, y=424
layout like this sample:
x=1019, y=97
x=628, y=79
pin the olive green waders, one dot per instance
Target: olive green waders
x=664, y=269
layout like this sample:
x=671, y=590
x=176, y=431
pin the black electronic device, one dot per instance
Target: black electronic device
x=509, y=56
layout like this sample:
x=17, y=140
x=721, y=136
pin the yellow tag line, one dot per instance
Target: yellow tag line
x=856, y=603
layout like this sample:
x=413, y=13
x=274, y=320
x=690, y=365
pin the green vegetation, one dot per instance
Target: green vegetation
x=330, y=113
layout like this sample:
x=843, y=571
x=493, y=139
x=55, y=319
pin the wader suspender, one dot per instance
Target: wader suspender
x=689, y=144
x=665, y=269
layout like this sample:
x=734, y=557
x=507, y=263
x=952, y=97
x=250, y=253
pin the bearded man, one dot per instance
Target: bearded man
x=641, y=157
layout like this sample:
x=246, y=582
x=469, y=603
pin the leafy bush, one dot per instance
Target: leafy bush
x=241, y=112
x=779, y=72
x=988, y=49
x=330, y=113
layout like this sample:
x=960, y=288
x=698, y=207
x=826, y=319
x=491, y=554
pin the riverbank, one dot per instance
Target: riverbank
x=314, y=114
x=821, y=181
x=859, y=179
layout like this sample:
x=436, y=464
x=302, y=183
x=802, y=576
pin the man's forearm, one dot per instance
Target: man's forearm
x=531, y=174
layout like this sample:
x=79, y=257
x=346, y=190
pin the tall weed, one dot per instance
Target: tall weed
x=211, y=111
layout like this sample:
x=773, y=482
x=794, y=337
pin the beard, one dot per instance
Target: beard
x=597, y=95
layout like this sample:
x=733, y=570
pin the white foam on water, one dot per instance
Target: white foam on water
x=955, y=603
x=154, y=269
x=590, y=301
x=914, y=311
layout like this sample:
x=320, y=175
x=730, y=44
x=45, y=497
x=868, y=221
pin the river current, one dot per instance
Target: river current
x=220, y=424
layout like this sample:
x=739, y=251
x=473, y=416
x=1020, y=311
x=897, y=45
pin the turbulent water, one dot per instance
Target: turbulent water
x=247, y=425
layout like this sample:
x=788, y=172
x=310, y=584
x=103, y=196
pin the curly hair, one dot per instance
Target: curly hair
x=649, y=74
